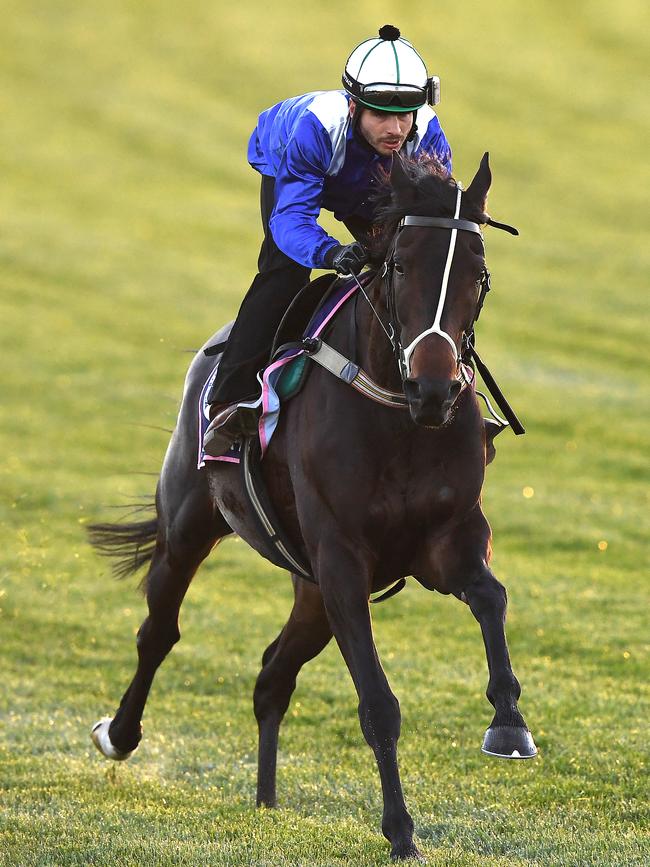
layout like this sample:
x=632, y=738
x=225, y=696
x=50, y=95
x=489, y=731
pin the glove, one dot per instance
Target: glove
x=348, y=259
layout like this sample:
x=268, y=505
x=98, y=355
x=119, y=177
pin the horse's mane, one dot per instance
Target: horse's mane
x=429, y=191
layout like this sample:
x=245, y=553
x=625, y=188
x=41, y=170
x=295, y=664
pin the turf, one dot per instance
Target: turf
x=128, y=232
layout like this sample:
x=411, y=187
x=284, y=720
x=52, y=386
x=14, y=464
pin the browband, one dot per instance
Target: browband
x=448, y=223
x=441, y=223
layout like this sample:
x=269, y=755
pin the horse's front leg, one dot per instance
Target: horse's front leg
x=344, y=582
x=508, y=736
x=460, y=560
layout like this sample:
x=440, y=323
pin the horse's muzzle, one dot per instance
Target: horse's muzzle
x=431, y=400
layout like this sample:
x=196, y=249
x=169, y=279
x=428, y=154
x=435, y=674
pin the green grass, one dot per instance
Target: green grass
x=128, y=232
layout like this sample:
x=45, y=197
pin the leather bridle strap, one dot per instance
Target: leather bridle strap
x=455, y=225
x=441, y=223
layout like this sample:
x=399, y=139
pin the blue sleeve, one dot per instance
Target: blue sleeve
x=298, y=194
x=435, y=143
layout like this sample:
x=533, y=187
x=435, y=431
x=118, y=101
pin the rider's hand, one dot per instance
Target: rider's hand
x=348, y=259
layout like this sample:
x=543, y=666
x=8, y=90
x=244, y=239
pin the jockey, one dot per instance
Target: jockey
x=320, y=150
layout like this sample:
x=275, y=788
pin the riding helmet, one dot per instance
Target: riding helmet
x=387, y=74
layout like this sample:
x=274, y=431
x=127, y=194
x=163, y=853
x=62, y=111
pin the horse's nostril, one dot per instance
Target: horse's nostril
x=431, y=399
x=412, y=389
x=431, y=392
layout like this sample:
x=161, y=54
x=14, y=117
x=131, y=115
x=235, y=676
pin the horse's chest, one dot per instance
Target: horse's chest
x=433, y=498
x=436, y=502
x=435, y=484
x=417, y=501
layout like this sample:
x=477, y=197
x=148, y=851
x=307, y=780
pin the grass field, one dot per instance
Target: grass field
x=128, y=232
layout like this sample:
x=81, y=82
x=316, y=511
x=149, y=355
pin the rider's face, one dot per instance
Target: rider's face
x=385, y=132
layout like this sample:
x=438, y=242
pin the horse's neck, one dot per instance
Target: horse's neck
x=374, y=350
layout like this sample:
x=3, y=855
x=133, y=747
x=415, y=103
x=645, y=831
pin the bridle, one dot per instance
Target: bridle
x=456, y=224
x=404, y=354
x=354, y=375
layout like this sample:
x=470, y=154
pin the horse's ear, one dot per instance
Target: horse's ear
x=398, y=176
x=400, y=180
x=477, y=191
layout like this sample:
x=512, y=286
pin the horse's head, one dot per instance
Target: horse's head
x=436, y=268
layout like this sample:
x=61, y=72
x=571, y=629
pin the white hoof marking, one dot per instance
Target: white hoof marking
x=102, y=741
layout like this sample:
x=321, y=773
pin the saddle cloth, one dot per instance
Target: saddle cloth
x=278, y=379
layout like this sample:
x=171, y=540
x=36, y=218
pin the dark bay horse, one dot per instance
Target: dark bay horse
x=367, y=493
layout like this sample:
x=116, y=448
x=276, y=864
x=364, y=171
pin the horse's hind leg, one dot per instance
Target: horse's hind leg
x=182, y=544
x=305, y=634
x=508, y=736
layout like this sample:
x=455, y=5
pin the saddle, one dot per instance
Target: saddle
x=302, y=310
x=309, y=314
x=305, y=314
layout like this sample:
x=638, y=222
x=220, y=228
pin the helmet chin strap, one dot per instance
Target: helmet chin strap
x=414, y=127
x=407, y=352
x=355, y=115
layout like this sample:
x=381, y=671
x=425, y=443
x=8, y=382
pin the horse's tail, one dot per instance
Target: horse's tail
x=132, y=545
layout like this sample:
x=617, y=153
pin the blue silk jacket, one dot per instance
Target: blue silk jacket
x=308, y=145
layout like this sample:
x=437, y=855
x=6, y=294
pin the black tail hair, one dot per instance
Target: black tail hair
x=133, y=544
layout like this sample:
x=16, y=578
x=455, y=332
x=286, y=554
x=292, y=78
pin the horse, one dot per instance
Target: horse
x=405, y=502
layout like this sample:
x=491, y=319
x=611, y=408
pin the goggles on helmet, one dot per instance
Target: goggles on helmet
x=387, y=96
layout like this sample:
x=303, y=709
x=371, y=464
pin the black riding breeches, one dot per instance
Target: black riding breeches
x=272, y=291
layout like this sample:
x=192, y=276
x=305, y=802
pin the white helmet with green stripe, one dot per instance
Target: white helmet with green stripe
x=386, y=73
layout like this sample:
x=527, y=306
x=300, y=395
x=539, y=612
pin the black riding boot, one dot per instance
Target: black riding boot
x=249, y=344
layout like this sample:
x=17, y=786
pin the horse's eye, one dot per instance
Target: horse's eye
x=398, y=268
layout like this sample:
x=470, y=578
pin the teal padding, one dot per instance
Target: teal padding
x=291, y=379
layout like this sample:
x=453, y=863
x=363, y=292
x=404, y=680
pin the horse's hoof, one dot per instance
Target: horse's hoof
x=405, y=852
x=509, y=742
x=102, y=741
